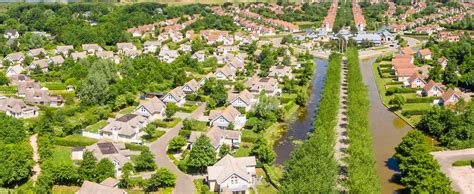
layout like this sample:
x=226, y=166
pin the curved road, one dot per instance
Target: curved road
x=385, y=132
x=184, y=182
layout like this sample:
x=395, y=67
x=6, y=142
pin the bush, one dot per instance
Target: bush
x=421, y=100
x=463, y=163
x=249, y=136
x=271, y=175
x=394, y=83
x=184, y=133
x=396, y=90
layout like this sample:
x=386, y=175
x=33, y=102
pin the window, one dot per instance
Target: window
x=233, y=180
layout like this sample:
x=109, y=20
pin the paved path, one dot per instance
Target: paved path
x=341, y=130
x=36, y=157
x=462, y=178
x=184, y=182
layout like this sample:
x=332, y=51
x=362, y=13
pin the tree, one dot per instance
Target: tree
x=104, y=169
x=162, y=178
x=4, y=79
x=171, y=109
x=239, y=87
x=16, y=163
x=224, y=150
x=398, y=101
x=87, y=167
x=145, y=161
x=263, y=151
x=197, y=45
x=150, y=131
x=127, y=170
x=202, y=154
x=219, y=94
x=176, y=143
x=12, y=130
x=94, y=90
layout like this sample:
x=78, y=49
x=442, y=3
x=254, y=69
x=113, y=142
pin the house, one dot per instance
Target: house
x=199, y=56
x=104, y=54
x=415, y=81
x=185, y=48
x=203, y=80
x=402, y=74
x=167, y=55
x=225, y=73
x=151, y=108
x=79, y=55
x=15, y=80
x=450, y=97
x=190, y=86
x=91, y=48
x=232, y=175
x=17, y=57
x=433, y=89
x=125, y=46
x=175, y=96
x=236, y=64
x=268, y=85
x=151, y=46
x=218, y=137
x=132, y=53
x=27, y=86
x=117, y=153
x=244, y=100
x=43, y=97
x=36, y=52
x=91, y=187
x=227, y=49
x=11, y=34
x=280, y=71
x=56, y=60
x=14, y=70
x=126, y=128
x=223, y=118
x=65, y=50
x=424, y=54
x=41, y=64
x=443, y=61
x=17, y=108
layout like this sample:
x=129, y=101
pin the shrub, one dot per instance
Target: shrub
x=409, y=113
x=249, y=136
x=396, y=90
x=421, y=100
x=74, y=141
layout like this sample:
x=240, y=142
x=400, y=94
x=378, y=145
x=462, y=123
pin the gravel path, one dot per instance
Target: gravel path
x=36, y=157
x=184, y=182
x=342, y=140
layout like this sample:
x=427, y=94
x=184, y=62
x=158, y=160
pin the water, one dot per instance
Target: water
x=302, y=120
x=387, y=132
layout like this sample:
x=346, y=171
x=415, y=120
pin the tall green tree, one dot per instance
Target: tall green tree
x=12, y=130
x=16, y=163
x=87, y=167
x=161, y=179
x=145, y=161
x=202, y=154
x=104, y=170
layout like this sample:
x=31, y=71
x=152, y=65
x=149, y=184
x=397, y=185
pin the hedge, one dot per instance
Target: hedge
x=394, y=83
x=385, y=65
x=361, y=170
x=249, y=136
x=421, y=100
x=312, y=167
x=74, y=141
x=408, y=113
x=396, y=90
x=8, y=89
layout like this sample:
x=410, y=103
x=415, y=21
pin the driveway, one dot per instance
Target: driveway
x=184, y=182
x=462, y=178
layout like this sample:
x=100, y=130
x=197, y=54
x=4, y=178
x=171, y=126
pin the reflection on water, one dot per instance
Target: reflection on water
x=301, y=122
x=399, y=123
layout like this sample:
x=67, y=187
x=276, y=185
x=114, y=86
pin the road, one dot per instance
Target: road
x=462, y=178
x=365, y=54
x=184, y=182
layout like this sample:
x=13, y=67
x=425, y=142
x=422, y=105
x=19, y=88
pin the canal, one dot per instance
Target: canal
x=387, y=131
x=301, y=121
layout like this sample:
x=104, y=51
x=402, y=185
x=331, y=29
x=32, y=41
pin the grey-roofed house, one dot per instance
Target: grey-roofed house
x=258, y=84
x=236, y=64
x=190, y=86
x=244, y=100
x=225, y=73
x=91, y=48
x=95, y=188
x=280, y=71
x=372, y=37
x=199, y=56
x=11, y=34
x=168, y=55
x=14, y=70
x=24, y=87
x=185, y=48
x=223, y=118
x=124, y=46
x=43, y=97
x=36, y=52
x=41, y=63
x=175, y=96
x=151, y=108
x=65, y=50
x=218, y=137
x=15, y=80
x=232, y=175
x=151, y=46
x=17, y=108
x=17, y=57
x=132, y=53
x=56, y=60
x=126, y=128
x=117, y=153
x=105, y=54
x=79, y=55
x=110, y=182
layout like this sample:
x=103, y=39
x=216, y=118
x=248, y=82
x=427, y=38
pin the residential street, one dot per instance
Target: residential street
x=184, y=182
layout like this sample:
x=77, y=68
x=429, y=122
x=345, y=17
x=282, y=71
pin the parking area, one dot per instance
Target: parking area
x=462, y=177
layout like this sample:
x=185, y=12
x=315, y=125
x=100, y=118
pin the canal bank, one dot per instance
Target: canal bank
x=387, y=131
x=301, y=121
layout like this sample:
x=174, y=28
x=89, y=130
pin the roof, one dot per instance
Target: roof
x=226, y=70
x=17, y=69
x=94, y=188
x=78, y=55
x=215, y=134
x=15, y=56
x=15, y=106
x=229, y=113
x=257, y=83
x=228, y=166
x=112, y=151
x=64, y=48
x=425, y=52
x=126, y=125
x=36, y=52
x=177, y=93
x=245, y=96
x=432, y=84
x=110, y=182
x=415, y=76
x=192, y=84
x=91, y=47
x=58, y=59
x=125, y=45
x=449, y=93
x=153, y=105
x=405, y=72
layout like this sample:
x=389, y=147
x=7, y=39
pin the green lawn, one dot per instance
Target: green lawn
x=65, y=189
x=417, y=106
x=265, y=186
x=188, y=108
x=127, y=110
x=62, y=154
x=95, y=127
x=74, y=140
x=244, y=150
x=167, y=124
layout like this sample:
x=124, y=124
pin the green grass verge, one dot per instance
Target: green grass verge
x=265, y=186
x=463, y=163
x=127, y=110
x=62, y=154
x=244, y=150
x=75, y=140
x=96, y=127
x=167, y=124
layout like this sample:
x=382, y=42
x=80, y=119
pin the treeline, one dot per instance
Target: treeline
x=312, y=167
x=344, y=17
x=467, y=23
x=308, y=12
x=361, y=172
x=420, y=173
x=453, y=128
x=374, y=13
